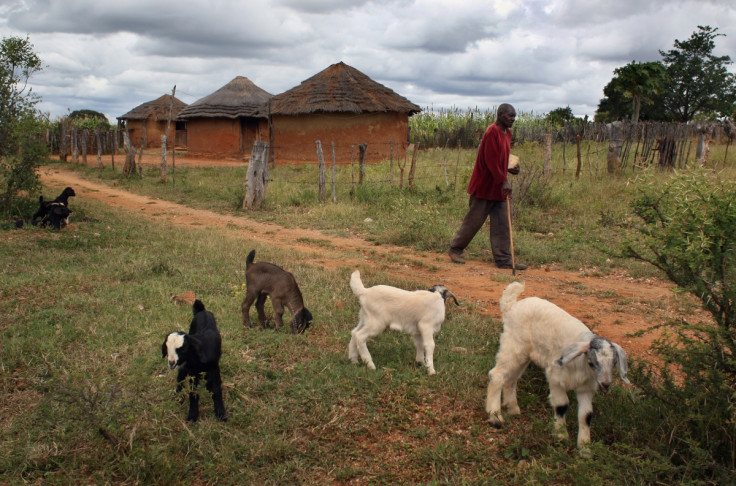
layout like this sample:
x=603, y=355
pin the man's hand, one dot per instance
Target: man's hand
x=506, y=188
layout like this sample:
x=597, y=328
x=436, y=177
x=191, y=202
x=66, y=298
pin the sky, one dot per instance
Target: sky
x=113, y=55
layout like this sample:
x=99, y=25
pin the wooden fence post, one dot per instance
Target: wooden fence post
x=85, y=141
x=165, y=139
x=256, y=177
x=614, y=146
x=580, y=160
x=98, y=138
x=334, y=189
x=413, y=167
x=75, y=145
x=361, y=162
x=321, y=162
x=129, y=165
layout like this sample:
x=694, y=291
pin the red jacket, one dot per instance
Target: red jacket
x=491, y=165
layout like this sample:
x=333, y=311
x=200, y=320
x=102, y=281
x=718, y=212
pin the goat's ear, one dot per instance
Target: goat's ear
x=163, y=348
x=623, y=366
x=573, y=351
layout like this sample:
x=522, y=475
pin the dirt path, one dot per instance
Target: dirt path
x=613, y=306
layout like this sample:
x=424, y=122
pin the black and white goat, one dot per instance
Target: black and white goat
x=265, y=280
x=195, y=353
x=419, y=313
x=573, y=358
x=55, y=213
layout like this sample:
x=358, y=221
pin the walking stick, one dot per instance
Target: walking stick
x=511, y=236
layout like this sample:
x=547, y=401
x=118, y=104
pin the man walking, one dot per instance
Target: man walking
x=490, y=192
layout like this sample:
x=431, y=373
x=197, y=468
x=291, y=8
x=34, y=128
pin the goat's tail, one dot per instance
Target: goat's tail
x=251, y=256
x=198, y=306
x=356, y=285
x=510, y=296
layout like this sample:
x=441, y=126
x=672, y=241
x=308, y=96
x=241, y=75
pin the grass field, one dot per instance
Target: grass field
x=85, y=397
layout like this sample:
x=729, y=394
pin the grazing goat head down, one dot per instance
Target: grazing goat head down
x=195, y=353
x=265, y=280
x=55, y=213
x=572, y=357
x=419, y=313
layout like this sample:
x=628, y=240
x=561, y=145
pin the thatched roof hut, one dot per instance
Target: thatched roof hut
x=238, y=98
x=340, y=89
x=228, y=121
x=148, y=121
x=340, y=104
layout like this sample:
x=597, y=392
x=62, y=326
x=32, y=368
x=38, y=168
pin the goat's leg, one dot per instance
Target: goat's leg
x=585, y=415
x=214, y=385
x=260, y=302
x=419, y=345
x=278, y=312
x=361, y=335
x=428, y=339
x=245, y=308
x=353, y=346
x=508, y=395
x=559, y=401
x=193, y=401
x=508, y=366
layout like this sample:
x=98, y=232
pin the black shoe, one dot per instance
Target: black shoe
x=456, y=258
x=519, y=266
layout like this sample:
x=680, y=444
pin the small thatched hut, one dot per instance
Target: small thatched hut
x=148, y=121
x=227, y=122
x=341, y=105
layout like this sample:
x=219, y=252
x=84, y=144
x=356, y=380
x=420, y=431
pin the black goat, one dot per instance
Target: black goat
x=196, y=353
x=266, y=279
x=56, y=212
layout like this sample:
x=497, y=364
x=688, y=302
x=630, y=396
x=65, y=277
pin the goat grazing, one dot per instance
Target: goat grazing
x=195, y=353
x=536, y=330
x=419, y=313
x=56, y=212
x=264, y=280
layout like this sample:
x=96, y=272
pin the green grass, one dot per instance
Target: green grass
x=85, y=396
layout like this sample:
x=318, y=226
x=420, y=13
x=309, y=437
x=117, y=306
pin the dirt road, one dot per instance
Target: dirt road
x=613, y=306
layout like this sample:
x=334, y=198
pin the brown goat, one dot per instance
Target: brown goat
x=268, y=280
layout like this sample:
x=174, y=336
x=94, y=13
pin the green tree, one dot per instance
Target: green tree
x=688, y=230
x=560, y=116
x=698, y=82
x=634, y=92
x=89, y=119
x=21, y=147
x=641, y=83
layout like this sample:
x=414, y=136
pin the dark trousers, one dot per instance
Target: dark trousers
x=479, y=210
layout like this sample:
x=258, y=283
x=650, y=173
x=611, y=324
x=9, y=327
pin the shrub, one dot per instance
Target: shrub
x=688, y=230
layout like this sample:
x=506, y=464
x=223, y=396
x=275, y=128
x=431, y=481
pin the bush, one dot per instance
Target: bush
x=688, y=230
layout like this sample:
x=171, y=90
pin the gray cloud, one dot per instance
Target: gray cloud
x=536, y=54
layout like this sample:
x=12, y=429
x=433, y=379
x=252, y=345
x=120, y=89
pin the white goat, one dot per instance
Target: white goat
x=536, y=330
x=419, y=313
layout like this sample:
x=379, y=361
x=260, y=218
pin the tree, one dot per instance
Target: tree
x=641, y=83
x=560, y=116
x=21, y=149
x=89, y=119
x=634, y=92
x=698, y=82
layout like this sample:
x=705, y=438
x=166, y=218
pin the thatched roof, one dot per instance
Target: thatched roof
x=238, y=98
x=340, y=89
x=157, y=109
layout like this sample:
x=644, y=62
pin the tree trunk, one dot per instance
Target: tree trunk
x=256, y=177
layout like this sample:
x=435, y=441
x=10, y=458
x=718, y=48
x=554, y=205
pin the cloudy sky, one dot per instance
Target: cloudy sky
x=112, y=55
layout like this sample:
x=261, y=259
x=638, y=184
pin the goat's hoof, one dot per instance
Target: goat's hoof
x=496, y=421
x=584, y=451
x=432, y=372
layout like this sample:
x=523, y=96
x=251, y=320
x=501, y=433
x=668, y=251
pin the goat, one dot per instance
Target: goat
x=56, y=212
x=195, y=353
x=264, y=280
x=536, y=330
x=419, y=313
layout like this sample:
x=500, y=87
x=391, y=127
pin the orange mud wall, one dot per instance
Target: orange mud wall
x=154, y=131
x=225, y=137
x=294, y=137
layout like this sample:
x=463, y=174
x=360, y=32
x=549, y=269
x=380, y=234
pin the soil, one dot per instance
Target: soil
x=614, y=306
